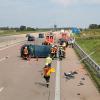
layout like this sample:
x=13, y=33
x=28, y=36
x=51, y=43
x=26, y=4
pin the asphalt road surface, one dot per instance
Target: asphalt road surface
x=22, y=80
x=10, y=38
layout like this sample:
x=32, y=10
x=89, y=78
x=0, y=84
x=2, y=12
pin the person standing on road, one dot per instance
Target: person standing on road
x=52, y=52
x=72, y=42
x=46, y=74
x=48, y=61
x=64, y=45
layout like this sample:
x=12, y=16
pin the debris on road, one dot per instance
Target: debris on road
x=70, y=74
x=82, y=78
x=78, y=93
x=81, y=83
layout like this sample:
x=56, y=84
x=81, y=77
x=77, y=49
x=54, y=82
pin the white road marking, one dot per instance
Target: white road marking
x=11, y=45
x=57, y=85
x=1, y=89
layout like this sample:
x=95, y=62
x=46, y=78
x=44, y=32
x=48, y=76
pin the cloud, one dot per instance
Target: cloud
x=76, y=2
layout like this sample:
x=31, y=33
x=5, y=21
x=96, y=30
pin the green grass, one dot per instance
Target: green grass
x=89, y=46
x=93, y=76
x=14, y=32
x=10, y=32
x=91, y=32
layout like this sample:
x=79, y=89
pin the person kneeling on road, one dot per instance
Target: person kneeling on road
x=26, y=53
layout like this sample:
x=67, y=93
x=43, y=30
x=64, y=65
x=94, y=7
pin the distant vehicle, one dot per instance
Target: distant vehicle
x=41, y=35
x=50, y=38
x=31, y=38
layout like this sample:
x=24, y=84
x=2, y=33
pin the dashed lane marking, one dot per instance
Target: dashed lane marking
x=11, y=45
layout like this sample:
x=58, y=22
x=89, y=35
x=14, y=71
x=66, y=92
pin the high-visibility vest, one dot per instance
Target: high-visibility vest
x=48, y=71
x=48, y=60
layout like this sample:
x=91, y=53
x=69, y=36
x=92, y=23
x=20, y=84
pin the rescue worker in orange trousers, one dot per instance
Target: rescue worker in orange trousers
x=53, y=51
x=46, y=74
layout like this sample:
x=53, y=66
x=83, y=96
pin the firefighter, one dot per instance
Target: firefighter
x=55, y=50
x=46, y=74
x=48, y=61
x=61, y=52
x=52, y=52
x=26, y=53
x=64, y=45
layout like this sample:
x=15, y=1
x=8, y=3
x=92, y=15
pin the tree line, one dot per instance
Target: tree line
x=21, y=28
x=25, y=28
x=94, y=26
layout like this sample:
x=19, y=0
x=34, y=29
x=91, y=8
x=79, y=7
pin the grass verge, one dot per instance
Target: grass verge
x=13, y=32
x=95, y=77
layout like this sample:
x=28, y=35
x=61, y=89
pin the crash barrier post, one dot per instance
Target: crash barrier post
x=86, y=58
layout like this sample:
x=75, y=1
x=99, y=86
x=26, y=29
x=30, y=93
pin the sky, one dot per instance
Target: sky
x=46, y=13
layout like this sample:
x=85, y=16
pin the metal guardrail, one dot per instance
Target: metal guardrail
x=86, y=58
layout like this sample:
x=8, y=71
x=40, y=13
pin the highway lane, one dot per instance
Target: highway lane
x=7, y=41
x=16, y=37
x=10, y=38
x=22, y=80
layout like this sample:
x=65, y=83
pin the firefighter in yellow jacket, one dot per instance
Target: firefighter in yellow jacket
x=46, y=74
x=48, y=61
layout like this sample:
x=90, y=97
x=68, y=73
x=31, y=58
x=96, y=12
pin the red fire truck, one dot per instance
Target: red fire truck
x=50, y=38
